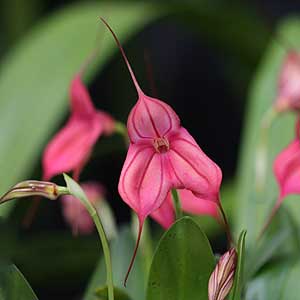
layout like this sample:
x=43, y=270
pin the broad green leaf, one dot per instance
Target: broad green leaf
x=254, y=207
x=35, y=76
x=13, y=285
x=238, y=277
x=121, y=252
x=182, y=264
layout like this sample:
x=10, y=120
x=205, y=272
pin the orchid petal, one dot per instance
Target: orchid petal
x=165, y=215
x=108, y=123
x=81, y=102
x=151, y=118
x=192, y=169
x=144, y=183
x=289, y=83
x=197, y=206
x=70, y=147
x=287, y=169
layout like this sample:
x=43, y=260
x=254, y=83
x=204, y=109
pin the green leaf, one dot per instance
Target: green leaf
x=121, y=251
x=13, y=285
x=280, y=240
x=102, y=294
x=279, y=281
x=270, y=283
x=252, y=207
x=290, y=289
x=35, y=76
x=182, y=264
x=238, y=277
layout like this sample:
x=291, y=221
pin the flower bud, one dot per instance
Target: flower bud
x=33, y=188
x=221, y=279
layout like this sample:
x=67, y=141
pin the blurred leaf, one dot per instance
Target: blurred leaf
x=238, y=277
x=35, y=76
x=279, y=281
x=182, y=264
x=17, y=16
x=290, y=288
x=280, y=240
x=102, y=294
x=269, y=284
x=121, y=252
x=13, y=285
x=204, y=16
x=252, y=207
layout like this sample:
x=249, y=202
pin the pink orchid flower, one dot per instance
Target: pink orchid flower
x=165, y=214
x=74, y=212
x=286, y=168
x=288, y=97
x=162, y=155
x=71, y=147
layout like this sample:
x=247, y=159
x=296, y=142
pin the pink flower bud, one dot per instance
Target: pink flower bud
x=71, y=147
x=221, y=279
x=288, y=95
x=74, y=211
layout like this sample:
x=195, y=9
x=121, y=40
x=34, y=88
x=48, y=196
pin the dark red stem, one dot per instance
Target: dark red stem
x=134, y=253
x=226, y=225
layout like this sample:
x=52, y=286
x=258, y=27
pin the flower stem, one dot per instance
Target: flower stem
x=62, y=190
x=269, y=220
x=226, y=225
x=177, y=205
x=106, y=252
x=75, y=190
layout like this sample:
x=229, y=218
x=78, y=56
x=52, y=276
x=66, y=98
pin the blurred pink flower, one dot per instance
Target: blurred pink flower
x=288, y=95
x=165, y=214
x=287, y=170
x=162, y=155
x=74, y=212
x=71, y=147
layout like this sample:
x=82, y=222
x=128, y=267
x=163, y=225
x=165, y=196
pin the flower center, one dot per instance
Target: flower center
x=161, y=145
